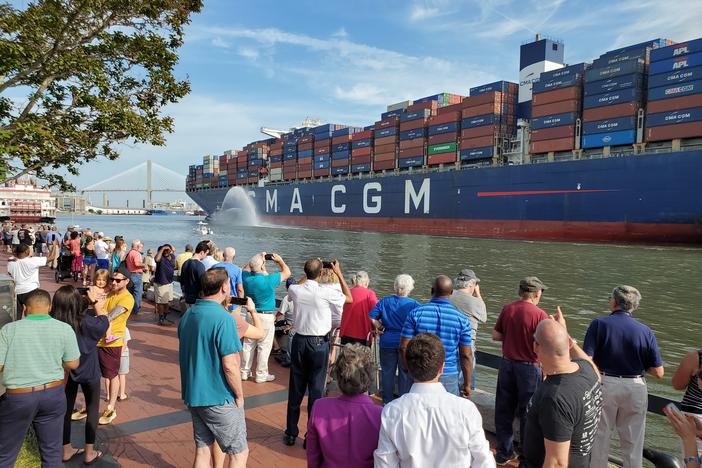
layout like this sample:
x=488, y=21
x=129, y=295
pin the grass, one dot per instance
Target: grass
x=29, y=454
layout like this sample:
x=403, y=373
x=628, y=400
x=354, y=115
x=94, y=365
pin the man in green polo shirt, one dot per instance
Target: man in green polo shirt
x=34, y=352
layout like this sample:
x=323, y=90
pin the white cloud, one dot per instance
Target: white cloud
x=248, y=52
x=421, y=13
x=341, y=32
x=218, y=42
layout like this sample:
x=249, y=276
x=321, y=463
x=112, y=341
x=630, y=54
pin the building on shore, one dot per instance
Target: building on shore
x=70, y=203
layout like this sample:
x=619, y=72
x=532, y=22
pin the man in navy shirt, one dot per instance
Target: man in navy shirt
x=163, y=282
x=441, y=318
x=624, y=349
x=191, y=272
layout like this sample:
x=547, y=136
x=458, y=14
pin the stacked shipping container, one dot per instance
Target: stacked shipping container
x=675, y=92
x=413, y=134
x=361, y=151
x=341, y=150
x=386, y=135
x=290, y=153
x=486, y=117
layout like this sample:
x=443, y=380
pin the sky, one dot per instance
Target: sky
x=274, y=63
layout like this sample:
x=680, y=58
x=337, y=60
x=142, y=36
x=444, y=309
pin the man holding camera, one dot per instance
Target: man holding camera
x=310, y=345
x=260, y=286
x=163, y=282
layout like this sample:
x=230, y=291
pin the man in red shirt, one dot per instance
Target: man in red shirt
x=135, y=264
x=355, y=323
x=519, y=372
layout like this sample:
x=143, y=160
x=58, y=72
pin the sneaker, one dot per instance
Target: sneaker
x=502, y=460
x=245, y=376
x=268, y=378
x=77, y=415
x=108, y=416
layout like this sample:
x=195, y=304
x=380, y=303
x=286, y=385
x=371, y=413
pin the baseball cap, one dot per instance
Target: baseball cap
x=532, y=284
x=100, y=234
x=468, y=274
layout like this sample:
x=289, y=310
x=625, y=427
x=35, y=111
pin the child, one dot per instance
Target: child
x=102, y=278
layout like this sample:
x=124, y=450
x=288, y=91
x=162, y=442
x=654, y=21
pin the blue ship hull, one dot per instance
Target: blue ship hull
x=641, y=198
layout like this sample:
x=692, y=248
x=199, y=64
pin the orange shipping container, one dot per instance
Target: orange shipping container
x=485, y=130
x=489, y=108
x=413, y=124
x=388, y=140
x=555, y=108
x=443, y=158
x=546, y=146
x=557, y=95
x=414, y=143
x=480, y=142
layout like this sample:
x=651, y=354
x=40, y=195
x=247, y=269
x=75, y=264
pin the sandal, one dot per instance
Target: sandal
x=74, y=455
x=119, y=398
x=98, y=456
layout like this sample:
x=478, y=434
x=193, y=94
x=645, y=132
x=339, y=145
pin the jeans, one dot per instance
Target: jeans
x=516, y=383
x=91, y=392
x=136, y=287
x=44, y=410
x=450, y=383
x=389, y=364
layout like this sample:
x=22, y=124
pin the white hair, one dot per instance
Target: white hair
x=361, y=279
x=256, y=262
x=229, y=253
x=404, y=284
x=459, y=283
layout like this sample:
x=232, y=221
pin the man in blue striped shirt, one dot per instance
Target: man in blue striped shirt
x=441, y=318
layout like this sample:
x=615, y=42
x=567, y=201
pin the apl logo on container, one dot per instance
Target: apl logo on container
x=679, y=89
x=680, y=64
x=680, y=51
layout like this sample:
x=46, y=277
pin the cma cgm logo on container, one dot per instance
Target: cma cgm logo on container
x=613, y=97
x=679, y=89
x=679, y=76
x=607, y=125
x=677, y=116
x=372, y=198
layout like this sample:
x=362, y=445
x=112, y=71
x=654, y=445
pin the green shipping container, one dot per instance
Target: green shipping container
x=442, y=148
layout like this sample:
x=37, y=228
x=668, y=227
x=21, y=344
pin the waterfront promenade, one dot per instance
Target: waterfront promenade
x=153, y=427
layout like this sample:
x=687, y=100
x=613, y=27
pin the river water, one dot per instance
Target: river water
x=580, y=276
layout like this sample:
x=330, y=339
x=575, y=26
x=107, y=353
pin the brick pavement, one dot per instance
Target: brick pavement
x=153, y=427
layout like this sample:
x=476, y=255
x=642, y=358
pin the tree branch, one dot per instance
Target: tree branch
x=37, y=95
x=23, y=172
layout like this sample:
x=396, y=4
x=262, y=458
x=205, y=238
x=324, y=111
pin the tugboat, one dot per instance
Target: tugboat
x=22, y=201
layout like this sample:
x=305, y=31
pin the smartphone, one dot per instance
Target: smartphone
x=673, y=408
x=269, y=256
x=327, y=264
x=83, y=291
x=238, y=301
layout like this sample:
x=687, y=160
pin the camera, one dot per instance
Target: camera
x=327, y=264
x=269, y=256
x=238, y=301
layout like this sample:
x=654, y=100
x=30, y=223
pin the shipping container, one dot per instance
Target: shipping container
x=608, y=60
x=596, y=140
x=475, y=154
x=416, y=161
x=390, y=140
x=414, y=133
x=635, y=80
x=676, y=64
x=383, y=165
x=442, y=138
x=609, y=125
x=666, y=79
x=399, y=106
x=556, y=120
x=480, y=142
x=385, y=132
x=443, y=158
x=357, y=168
x=414, y=143
x=548, y=146
x=565, y=72
x=361, y=159
x=623, y=68
x=393, y=121
x=500, y=86
x=610, y=99
x=483, y=109
x=475, y=132
x=674, y=117
x=557, y=95
x=669, y=132
x=480, y=120
x=411, y=153
x=431, y=106
x=549, y=85
x=675, y=90
x=610, y=112
x=442, y=148
x=341, y=147
x=361, y=151
x=390, y=156
x=412, y=124
x=420, y=114
x=445, y=118
x=340, y=170
x=554, y=108
x=676, y=50
x=341, y=154
x=678, y=103
x=553, y=133
x=340, y=162
x=358, y=144
x=391, y=114
x=450, y=127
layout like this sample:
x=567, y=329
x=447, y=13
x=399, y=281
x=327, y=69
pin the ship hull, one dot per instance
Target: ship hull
x=652, y=198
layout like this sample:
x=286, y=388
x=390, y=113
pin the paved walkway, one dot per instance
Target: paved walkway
x=153, y=427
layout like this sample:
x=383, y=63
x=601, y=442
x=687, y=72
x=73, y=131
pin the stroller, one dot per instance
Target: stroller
x=65, y=267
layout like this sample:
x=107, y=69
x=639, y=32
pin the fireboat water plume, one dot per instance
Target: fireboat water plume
x=237, y=209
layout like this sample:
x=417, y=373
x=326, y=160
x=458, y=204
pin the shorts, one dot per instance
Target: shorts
x=77, y=263
x=110, y=359
x=163, y=293
x=89, y=260
x=225, y=423
x=103, y=264
x=124, y=362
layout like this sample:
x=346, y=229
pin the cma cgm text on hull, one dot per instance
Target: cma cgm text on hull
x=643, y=198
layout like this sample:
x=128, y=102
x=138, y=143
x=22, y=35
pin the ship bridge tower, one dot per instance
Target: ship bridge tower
x=535, y=58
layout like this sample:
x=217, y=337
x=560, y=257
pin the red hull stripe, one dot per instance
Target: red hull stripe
x=510, y=229
x=537, y=192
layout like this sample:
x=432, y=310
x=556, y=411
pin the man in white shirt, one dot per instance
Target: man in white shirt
x=310, y=346
x=102, y=252
x=429, y=426
x=25, y=272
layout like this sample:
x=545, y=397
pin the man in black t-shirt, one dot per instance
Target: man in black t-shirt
x=564, y=412
x=191, y=271
x=25, y=236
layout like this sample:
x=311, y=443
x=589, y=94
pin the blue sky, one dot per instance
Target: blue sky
x=274, y=63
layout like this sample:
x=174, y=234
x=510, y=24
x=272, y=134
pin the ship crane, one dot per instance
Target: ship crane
x=307, y=123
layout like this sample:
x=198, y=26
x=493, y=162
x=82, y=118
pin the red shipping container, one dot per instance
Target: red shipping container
x=483, y=109
x=361, y=159
x=384, y=156
x=305, y=139
x=304, y=166
x=557, y=95
x=361, y=151
x=431, y=105
x=322, y=172
x=480, y=99
x=485, y=130
x=546, y=146
x=304, y=174
x=443, y=138
x=413, y=143
x=443, y=158
x=389, y=122
x=322, y=150
x=341, y=139
x=678, y=103
x=449, y=109
x=413, y=124
x=340, y=162
x=480, y=142
x=445, y=117
x=388, y=140
x=556, y=108
x=305, y=146
x=383, y=165
x=364, y=135
x=276, y=165
x=553, y=133
x=411, y=153
x=670, y=132
x=610, y=112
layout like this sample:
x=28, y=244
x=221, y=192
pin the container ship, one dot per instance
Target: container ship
x=607, y=151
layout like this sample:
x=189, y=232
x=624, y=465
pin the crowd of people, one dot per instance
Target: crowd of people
x=568, y=398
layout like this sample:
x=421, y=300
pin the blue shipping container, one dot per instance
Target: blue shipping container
x=341, y=154
x=322, y=136
x=416, y=115
x=500, y=86
x=305, y=153
x=361, y=143
x=609, y=125
x=635, y=80
x=613, y=98
x=652, y=44
x=674, y=117
x=321, y=158
x=675, y=64
x=479, y=121
x=411, y=162
x=276, y=158
x=565, y=72
x=341, y=147
x=321, y=165
x=289, y=157
x=684, y=89
x=393, y=113
x=665, y=79
x=346, y=131
x=555, y=120
x=361, y=167
x=623, y=68
x=607, y=60
x=412, y=134
x=556, y=83
x=389, y=131
x=433, y=97
x=368, y=127
x=476, y=153
x=598, y=140
x=340, y=170
x=443, y=128
x=683, y=48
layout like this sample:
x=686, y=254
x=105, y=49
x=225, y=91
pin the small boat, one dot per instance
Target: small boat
x=203, y=228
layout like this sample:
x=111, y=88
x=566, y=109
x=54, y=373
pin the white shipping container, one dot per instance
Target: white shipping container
x=400, y=105
x=276, y=177
x=277, y=170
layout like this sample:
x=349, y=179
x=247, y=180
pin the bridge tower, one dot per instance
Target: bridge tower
x=149, y=188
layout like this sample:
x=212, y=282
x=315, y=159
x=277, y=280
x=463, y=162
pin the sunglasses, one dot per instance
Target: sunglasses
x=118, y=280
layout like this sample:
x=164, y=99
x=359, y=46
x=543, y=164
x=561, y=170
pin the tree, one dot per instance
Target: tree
x=79, y=77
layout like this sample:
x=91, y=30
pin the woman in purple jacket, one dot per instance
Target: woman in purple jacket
x=331, y=440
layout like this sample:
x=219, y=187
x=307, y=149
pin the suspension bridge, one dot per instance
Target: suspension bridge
x=147, y=177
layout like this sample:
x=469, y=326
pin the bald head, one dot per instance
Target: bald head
x=442, y=286
x=229, y=254
x=552, y=338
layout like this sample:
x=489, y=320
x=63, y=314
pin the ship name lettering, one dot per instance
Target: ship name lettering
x=296, y=203
x=272, y=201
x=373, y=208
x=334, y=207
x=417, y=198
